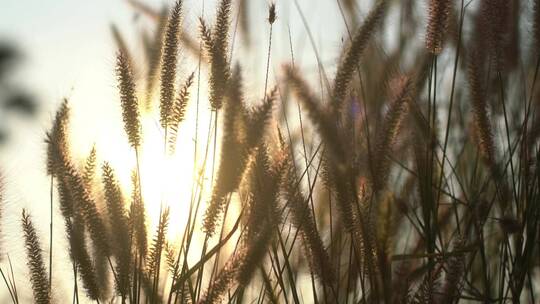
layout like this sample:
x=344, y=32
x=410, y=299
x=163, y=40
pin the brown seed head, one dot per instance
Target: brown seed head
x=272, y=13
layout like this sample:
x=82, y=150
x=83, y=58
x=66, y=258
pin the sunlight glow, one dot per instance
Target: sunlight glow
x=168, y=180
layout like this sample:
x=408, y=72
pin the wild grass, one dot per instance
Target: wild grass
x=420, y=184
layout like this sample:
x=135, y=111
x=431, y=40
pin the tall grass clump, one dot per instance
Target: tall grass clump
x=403, y=169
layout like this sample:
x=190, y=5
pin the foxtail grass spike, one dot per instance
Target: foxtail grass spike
x=481, y=120
x=258, y=118
x=438, y=18
x=216, y=45
x=179, y=112
x=38, y=274
x=152, y=47
x=390, y=127
x=128, y=98
x=318, y=115
x=86, y=206
x=90, y=167
x=169, y=58
x=492, y=27
x=120, y=43
x=155, y=253
x=244, y=24
x=233, y=154
x=56, y=141
x=137, y=216
x=263, y=181
x=455, y=267
x=272, y=13
x=73, y=218
x=263, y=219
x=120, y=225
x=303, y=220
x=81, y=257
x=351, y=57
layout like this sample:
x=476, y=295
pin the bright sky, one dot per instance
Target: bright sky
x=69, y=52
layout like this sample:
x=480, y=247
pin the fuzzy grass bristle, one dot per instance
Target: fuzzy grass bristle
x=492, y=27
x=353, y=53
x=128, y=99
x=169, y=58
x=318, y=115
x=179, y=112
x=38, y=274
x=56, y=139
x=303, y=220
x=262, y=221
x=90, y=164
x=481, y=119
x=438, y=19
x=155, y=253
x=81, y=257
x=137, y=217
x=216, y=45
x=234, y=153
x=120, y=225
x=272, y=13
x=390, y=128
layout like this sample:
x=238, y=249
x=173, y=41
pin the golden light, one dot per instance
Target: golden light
x=167, y=180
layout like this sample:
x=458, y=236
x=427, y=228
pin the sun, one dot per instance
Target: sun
x=168, y=180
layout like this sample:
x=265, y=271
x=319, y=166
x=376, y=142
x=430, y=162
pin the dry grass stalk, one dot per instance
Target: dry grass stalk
x=257, y=118
x=75, y=235
x=128, y=98
x=391, y=125
x=481, y=120
x=38, y=274
x=455, y=268
x=57, y=139
x=262, y=222
x=318, y=115
x=137, y=218
x=351, y=57
x=120, y=43
x=243, y=130
x=81, y=257
x=153, y=264
x=89, y=172
x=216, y=46
x=86, y=206
x=169, y=58
x=438, y=17
x=233, y=154
x=120, y=226
x=492, y=28
x=76, y=191
x=243, y=6
x=179, y=112
x=152, y=47
x=303, y=220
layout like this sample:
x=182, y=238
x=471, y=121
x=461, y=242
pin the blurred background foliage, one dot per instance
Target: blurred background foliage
x=15, y=99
